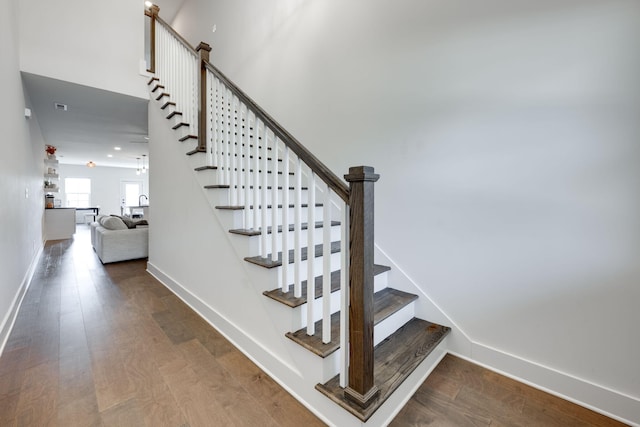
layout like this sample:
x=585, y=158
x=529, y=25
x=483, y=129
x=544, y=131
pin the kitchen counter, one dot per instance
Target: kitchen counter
x=59, y=223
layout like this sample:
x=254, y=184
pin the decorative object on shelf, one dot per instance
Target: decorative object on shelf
x=91, y=164
x=51, y=152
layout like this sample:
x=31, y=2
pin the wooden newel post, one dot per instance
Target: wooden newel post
x=153, y=14
x=203, y=50
x=361, y=388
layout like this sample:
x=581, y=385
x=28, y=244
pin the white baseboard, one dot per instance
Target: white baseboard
x=10, y=319
x=611, y=403
x=600, y=399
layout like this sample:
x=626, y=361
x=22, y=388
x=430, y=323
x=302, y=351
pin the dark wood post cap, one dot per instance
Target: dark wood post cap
x=154, y=9
x=203, y=46
x=361, y=173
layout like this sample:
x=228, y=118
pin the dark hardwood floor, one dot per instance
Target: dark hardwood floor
x=98, y=345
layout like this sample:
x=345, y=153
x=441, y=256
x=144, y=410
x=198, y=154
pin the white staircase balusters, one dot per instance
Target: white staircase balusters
x=311, y=273
x=254, y=157
x=272, y=161
x=255, y=165
x=285, y=216
x=225, y=137
x=264, y=200
x=233, y=149
x=297, y=227
x=217, y=157
x=248, y=218
x=326, y=261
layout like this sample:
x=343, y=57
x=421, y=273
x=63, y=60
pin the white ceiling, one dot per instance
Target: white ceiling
x=95, y=123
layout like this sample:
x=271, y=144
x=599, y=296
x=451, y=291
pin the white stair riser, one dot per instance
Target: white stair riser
x=318, y=266
x=240, y=196
x=304, y=235
x=300, y=313
x=319, y=369
x=239, y=215
x=224, y=195
x=392, y=323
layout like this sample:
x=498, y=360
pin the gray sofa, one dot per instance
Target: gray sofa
x=113, y=242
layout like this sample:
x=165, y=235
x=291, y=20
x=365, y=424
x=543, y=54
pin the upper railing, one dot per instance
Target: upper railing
x=266, y=168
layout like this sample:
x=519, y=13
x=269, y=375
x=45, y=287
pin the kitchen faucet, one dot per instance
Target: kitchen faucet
x=140, y=200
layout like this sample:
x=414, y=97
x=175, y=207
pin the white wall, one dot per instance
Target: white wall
x=98, y=44
x=105, y=184
x=506, y=136
x=21, y=168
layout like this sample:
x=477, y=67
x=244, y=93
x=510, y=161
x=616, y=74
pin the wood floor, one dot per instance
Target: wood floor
x=98, y=345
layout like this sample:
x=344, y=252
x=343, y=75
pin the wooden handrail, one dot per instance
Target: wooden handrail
x=322, y=171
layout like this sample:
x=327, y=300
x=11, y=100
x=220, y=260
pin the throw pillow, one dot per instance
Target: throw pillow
x=113, y=223
x=128, y=221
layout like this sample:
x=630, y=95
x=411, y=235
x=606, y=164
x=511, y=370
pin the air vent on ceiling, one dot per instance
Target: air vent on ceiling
x=59, y=106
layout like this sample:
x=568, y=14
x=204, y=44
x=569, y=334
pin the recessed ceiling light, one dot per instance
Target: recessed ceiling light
x=117, y=148
x=109, y=155
x=60, y=106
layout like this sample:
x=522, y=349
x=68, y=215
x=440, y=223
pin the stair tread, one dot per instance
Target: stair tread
x=385, y=303
x=167, y=104
x=204, y=168
x=153, y=79
x=179, y=125
x=197, y=150
x=186, y=137
x=173, y=113
x=395, y=359
x=159, y=97
x=257, y=232
x=288, y=298
x=240, y=207
x=268, y=263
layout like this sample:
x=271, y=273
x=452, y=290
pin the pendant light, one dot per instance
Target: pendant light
x=144, y=163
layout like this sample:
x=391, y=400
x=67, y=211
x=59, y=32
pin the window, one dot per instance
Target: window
x=78, y=192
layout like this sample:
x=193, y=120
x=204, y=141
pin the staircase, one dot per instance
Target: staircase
x=299, y=226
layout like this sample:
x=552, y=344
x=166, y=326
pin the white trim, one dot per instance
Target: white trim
x=598, y=398
x=10, y=318
x=241, y=340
